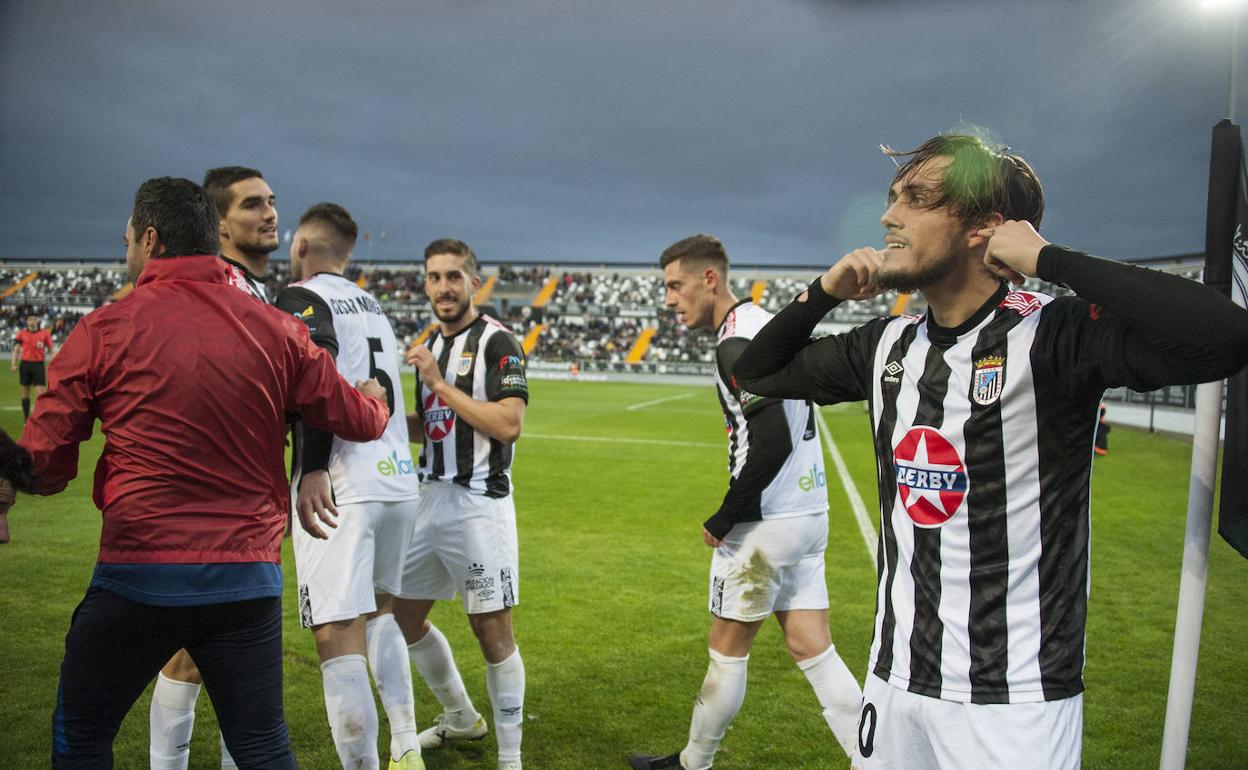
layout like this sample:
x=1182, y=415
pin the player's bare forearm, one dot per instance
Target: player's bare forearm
x=415, y=428
x=500, y=420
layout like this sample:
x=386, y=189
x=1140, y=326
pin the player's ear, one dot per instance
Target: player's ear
x=710, y=278
x=978, y=241
x=150, y=243
x=222, y=231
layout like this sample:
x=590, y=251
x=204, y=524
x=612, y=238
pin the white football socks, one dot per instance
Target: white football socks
x=351, y=710
x=717, y=705
x=505, y=683
x=171, y=720
x=433, y=660
x=227, y=762
x=392, y=673
x=839, y=694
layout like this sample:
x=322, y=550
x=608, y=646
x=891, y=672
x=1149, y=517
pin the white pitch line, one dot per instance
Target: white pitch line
x=644, y=404
x=869, y=538
x=620, y=440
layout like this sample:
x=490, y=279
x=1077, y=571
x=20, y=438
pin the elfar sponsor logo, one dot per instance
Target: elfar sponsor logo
x=396, y=466
x=816, y=479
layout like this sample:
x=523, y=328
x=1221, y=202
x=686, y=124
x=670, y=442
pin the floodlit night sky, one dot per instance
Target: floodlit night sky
x=602, y=131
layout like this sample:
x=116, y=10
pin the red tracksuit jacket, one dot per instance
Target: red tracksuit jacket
x=191, y=380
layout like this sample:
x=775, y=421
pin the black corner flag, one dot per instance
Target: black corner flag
x=1226, y=269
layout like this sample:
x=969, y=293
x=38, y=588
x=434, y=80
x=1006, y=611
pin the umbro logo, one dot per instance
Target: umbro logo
x=892, y=371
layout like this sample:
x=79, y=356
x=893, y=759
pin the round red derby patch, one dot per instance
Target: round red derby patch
x=931, y=478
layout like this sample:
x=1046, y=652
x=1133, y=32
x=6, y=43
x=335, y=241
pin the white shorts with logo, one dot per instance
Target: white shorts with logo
x=770, y=565
x=899, y=729
x=466, y=543
x=363, y=556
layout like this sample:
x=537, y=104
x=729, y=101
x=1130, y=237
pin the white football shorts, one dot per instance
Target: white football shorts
x=899, y=729
x=466, y=543
x=770, y=565
x=364, y=555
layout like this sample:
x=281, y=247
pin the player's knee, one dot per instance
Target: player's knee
x=182, y=668
x=493, y=632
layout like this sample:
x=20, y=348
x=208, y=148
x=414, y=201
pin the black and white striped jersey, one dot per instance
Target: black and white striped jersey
x=983, y=439
x=774, y=455
x=485, y=361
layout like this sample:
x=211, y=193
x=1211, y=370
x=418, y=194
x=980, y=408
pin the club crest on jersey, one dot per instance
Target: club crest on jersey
x=465, y=364
x=931, y=477
x=988, y=379
x=439, y=418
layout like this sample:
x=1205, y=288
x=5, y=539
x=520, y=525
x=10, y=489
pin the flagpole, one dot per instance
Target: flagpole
x=1195, y=575
x=1192, y=584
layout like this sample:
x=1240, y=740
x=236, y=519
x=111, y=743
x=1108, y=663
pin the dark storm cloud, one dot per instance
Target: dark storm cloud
x=603, y=131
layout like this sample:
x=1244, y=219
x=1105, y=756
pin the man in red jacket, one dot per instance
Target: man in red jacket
x=190, y=380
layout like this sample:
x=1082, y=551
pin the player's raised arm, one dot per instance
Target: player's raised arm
x=501, y=420
x=782, y=360
x=1172, y=330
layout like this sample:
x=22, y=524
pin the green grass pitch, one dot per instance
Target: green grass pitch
x=613, y=619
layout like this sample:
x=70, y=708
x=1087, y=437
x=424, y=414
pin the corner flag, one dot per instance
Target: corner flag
x=1226, y=269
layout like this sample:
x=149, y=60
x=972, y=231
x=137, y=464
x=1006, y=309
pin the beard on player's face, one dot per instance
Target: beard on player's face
x=453, y=314
x=258, y=244
x=914, y=277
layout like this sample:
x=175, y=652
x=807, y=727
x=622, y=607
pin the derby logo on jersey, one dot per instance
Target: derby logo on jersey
x=931, y=479
x=988, y=379
x=465, y=364
x=439, y=418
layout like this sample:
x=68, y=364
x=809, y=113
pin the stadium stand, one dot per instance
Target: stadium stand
x=590, y=318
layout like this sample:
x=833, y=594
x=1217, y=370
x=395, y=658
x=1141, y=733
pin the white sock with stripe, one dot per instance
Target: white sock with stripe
x=505, y=683
x=838, y=693
x=392, y=672
x=719, y=700
x=351, y=710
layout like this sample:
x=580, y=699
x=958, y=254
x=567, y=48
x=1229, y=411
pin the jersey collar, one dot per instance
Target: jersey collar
x=728, y=315
x=938, y=333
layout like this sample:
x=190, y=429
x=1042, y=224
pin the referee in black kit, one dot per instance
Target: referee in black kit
x=984, y=412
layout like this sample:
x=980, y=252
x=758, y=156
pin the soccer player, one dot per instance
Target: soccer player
x=247, y=228
x=471, y=393
x=248, y=224
x=770, y=531
x=346, y=582
x=984, y=411
x=192, y=516
x=34, y=345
